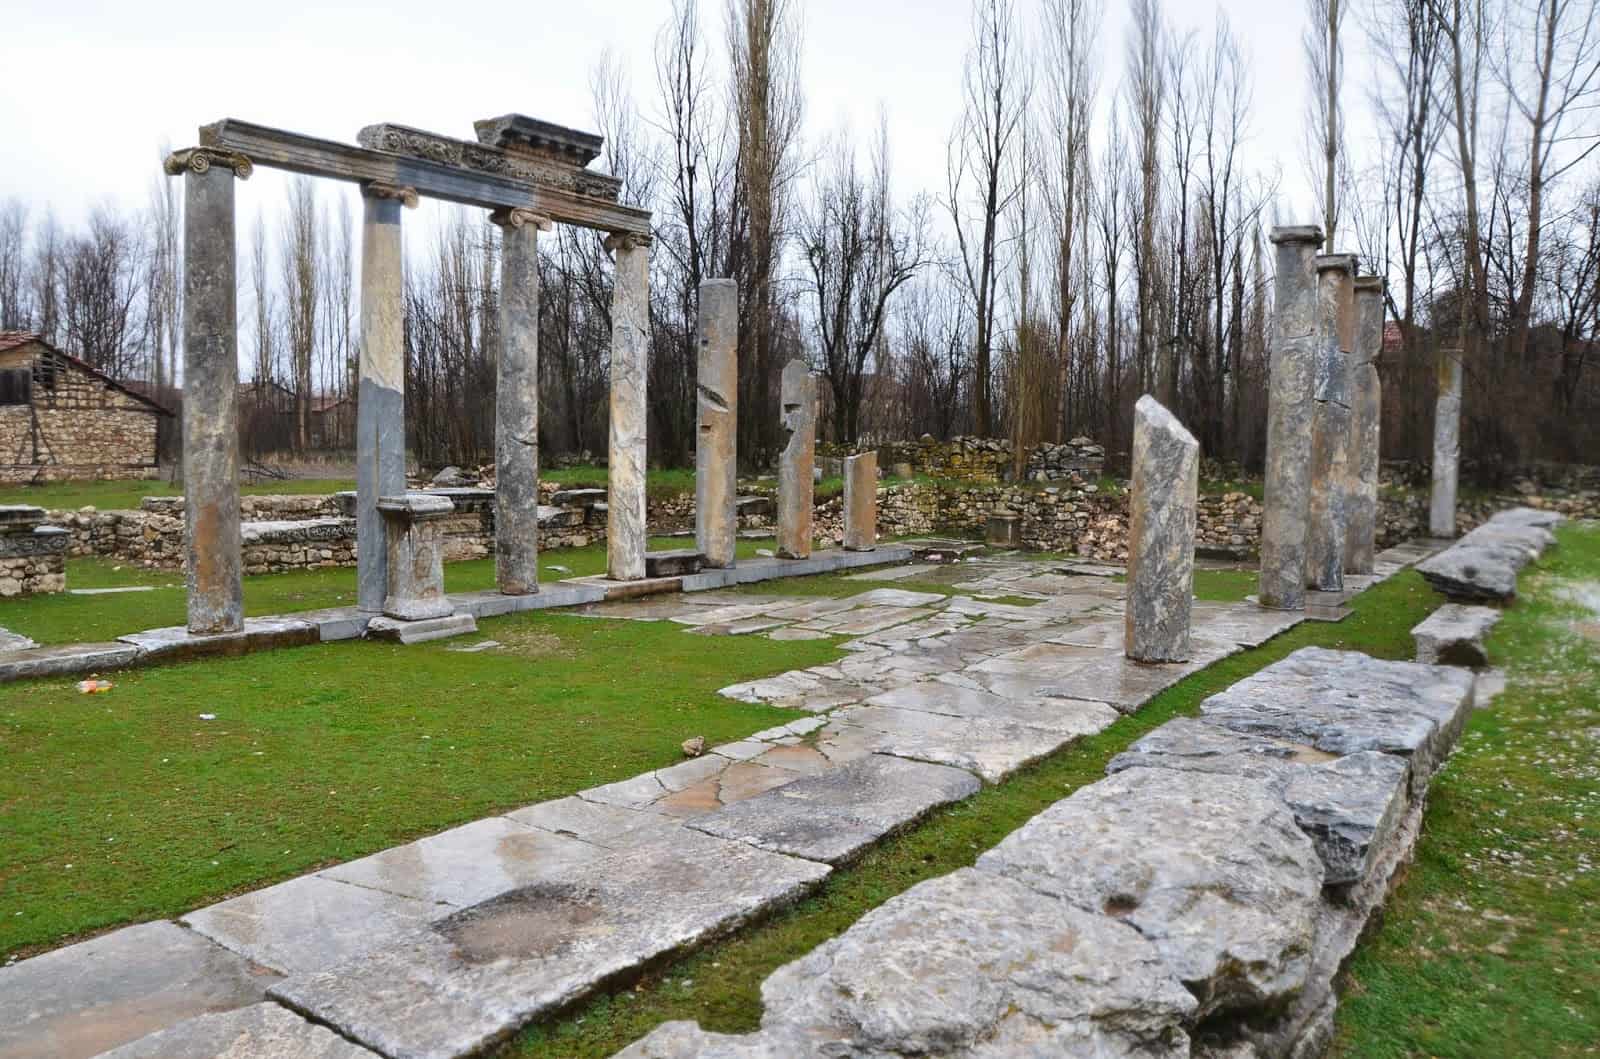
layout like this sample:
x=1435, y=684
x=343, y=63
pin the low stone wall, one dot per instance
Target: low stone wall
x=983, y=459
x=1075, y=517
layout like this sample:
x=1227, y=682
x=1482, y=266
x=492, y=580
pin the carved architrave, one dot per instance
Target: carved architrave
x=200, y=159
x=516, y=217
x=485, y=158
x=379, y=190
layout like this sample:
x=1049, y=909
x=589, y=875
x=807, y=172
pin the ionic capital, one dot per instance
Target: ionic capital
x=377, y=189
x=627, y=241
x=519, y=216
x=201, y=159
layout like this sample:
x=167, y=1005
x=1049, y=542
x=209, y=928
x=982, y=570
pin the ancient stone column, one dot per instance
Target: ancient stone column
x=412, y=531
x=1330, y=421
x=1161, y=523
x=1286, y=494
x=798, y=400
x=630, y=344
x=716, y=463
x=380, y=396
x=516, y=405
x=210, y=383
x=1446, y=446
x=861, y=502
x=1366, y=413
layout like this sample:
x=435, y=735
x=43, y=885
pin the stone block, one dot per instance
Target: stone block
x=971, y=964
x=66, y=660
x=833, y=816
x=415, y=558
x=796, y=462
x=1453, y=635
x=1343, y=702
x=1212, y=869
x=861, y=502
x=261, y=1031
x=472, y=978
x=309, y=923
x=83, y=999
x=1003, y=530
x=1348, y=806
x=395, y=630
x=176, y=643
x=677, y=562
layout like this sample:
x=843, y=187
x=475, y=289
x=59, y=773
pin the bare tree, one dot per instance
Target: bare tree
x=1071, y=75
x=1464, y=24
x=859, y=250
x=1146, y=90
x=301, y=285
x=1325, y=127
x=980, y=179
x=1562, y=81
x=14, y=309
x=100, y=280
x=764, y=49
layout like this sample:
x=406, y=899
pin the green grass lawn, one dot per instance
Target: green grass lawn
x=1491, y=945
x=721, y=985
x=126, y=805
x=66, y=618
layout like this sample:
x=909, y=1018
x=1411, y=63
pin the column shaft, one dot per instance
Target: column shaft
x=796, y=484
x=1287, y=498
x=210, y=415
x=1330, y=422
x=1162, y=507
x=630, y=343
x=380, y=397
x=716, y=462
x=516, y=412
x=1446, y=446
x=861, y=502
x=1366, y=414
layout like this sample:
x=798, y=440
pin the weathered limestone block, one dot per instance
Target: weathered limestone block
x=716, y=460
x=1343, y=702
x=686, y=1040
x=798, y=396
x=210, y=385
x=1453, y=635
x=973, y=964
x=1446, y=446
x=380, y=400
x=861, y=502
x=1210, y=868
x=1366, y=417
x=260, y=1031
x=1330, y=422
x=630, y=345
x=1348, y=806
x=416, y=556
x=1166, y=483
x=516, y=404
x=1287, y=498
x=1483, y=565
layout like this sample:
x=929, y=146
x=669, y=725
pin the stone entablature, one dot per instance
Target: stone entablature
x=76, y=424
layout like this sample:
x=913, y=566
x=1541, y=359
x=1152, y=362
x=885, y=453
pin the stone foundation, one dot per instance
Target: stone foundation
x=33, y=556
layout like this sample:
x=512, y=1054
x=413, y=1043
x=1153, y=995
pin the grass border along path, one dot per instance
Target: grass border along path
x=720, y=985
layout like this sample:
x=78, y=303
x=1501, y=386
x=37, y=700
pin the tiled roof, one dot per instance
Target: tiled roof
x=13, y=339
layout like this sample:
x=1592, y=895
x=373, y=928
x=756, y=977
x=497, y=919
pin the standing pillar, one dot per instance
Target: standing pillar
x=861, y=502
x=516, y=405
x=798, y=398
x=630, y=343
x=1446, y=446
x=381, y=389
x=1330, y=421
x=1366, y=416
x=1161, y=522
x=715, y=454
x=1286, y=493
x=213, y=569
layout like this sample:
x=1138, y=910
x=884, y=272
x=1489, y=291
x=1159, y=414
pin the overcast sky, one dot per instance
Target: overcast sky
x=94, y=87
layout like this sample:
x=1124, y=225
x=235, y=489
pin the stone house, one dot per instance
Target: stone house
x=61, y=419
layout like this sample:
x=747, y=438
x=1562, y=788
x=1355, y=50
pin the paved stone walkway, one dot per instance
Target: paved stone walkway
x=444, y=946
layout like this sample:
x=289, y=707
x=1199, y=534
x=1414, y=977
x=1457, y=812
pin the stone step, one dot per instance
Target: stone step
x=1453, y=635
x=396, y=630
x=676, y=562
